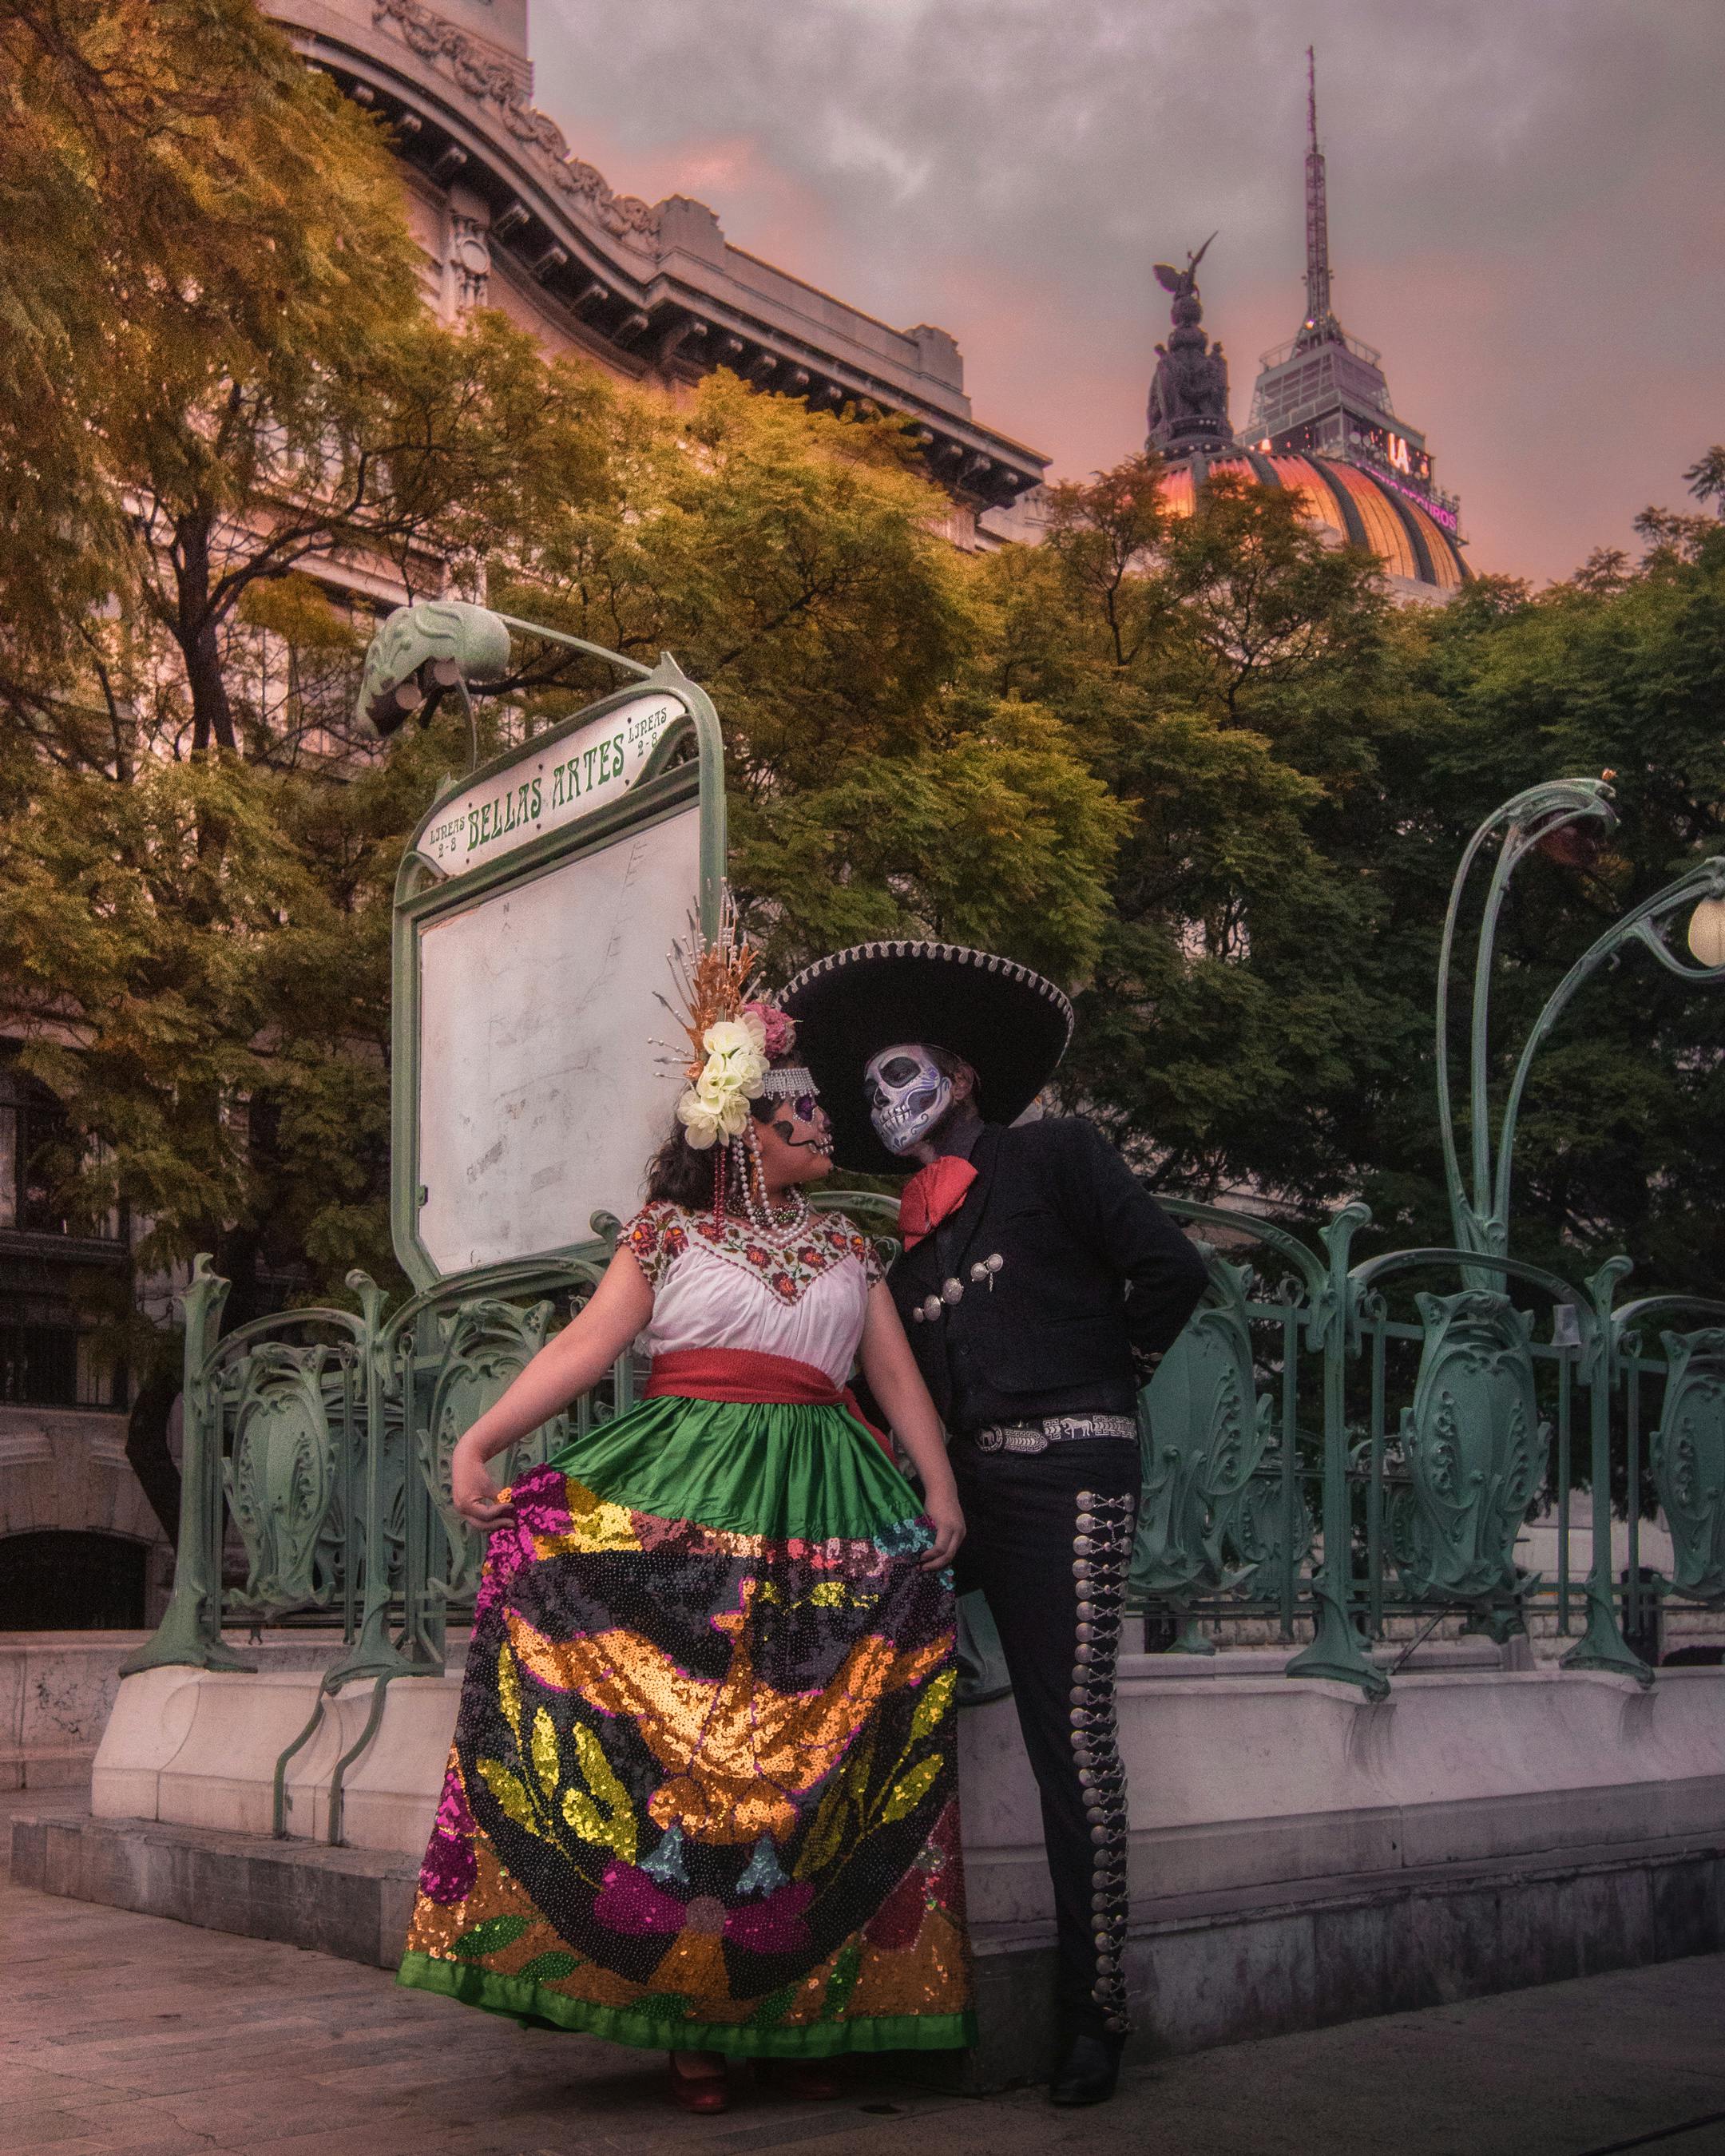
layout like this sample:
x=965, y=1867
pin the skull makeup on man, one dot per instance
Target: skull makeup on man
x=907, y=1093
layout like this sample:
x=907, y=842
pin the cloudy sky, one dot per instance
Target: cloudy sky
x=1526, y=205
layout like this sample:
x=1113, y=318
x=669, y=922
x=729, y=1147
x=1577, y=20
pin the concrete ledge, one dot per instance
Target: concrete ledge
x=352, y=1903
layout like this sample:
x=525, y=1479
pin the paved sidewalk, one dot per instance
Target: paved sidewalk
x=129, y=2036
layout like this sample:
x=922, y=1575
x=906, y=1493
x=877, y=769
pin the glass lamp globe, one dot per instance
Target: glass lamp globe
x=1706, y=932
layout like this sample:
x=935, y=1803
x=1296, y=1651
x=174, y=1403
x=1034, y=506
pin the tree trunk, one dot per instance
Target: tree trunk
x=200, y=648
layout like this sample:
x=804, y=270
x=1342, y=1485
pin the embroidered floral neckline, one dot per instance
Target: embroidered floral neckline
x=788, y=1260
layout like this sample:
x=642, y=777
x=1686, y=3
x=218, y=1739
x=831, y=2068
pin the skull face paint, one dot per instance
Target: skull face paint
x=907, y=1095
x=802, y=1124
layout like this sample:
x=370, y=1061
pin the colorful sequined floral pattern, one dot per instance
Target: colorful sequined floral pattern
x=703, y=1789
x=789, y=1263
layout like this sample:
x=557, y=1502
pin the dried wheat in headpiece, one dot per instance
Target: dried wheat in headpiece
x=712, y=981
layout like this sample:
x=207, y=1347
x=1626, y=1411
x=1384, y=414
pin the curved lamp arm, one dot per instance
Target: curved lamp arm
x=1526, y=819
x=1707, y=880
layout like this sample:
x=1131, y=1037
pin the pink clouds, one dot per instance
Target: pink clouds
x=1525, y=219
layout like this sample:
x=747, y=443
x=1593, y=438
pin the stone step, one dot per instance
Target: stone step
x=353, y=1903
x=1203, y=1968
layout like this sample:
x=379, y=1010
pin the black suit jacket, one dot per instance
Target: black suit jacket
x=1091, y=1268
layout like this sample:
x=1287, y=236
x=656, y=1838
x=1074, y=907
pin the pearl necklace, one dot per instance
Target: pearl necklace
x=764, y=1217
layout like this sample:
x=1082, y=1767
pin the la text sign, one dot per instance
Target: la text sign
x=552, y=782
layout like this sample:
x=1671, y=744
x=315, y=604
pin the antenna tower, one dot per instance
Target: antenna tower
x=1318, y=318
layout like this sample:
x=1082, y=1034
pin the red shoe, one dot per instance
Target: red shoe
x=699, y=2092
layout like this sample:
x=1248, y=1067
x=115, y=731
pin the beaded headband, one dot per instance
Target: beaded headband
x=791, y=1082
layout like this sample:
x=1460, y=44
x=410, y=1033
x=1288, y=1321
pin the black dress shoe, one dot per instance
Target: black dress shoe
x=1087, y=2069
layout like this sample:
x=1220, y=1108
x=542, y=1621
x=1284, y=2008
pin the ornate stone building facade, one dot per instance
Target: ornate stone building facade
x=510, y=217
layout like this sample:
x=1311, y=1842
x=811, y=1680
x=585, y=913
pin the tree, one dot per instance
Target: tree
x=1226, y=674
x=1303, y=765
x=226, y=373
x=1618, y=1147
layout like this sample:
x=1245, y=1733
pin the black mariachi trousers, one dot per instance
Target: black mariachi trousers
x=1048, y=1543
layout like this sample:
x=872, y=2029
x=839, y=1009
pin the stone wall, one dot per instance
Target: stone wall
x=65, y=1469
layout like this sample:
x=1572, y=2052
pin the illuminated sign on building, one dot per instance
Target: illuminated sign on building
x=1435, y=507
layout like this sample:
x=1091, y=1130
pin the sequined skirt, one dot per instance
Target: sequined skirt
x=703, y=1788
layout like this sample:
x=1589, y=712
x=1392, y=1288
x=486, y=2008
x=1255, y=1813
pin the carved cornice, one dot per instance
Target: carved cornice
x=436, y=39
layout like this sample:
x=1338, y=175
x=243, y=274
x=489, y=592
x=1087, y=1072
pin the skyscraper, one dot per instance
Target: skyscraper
x=1325, y=390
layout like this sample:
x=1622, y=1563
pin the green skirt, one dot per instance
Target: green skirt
x=702, y=1792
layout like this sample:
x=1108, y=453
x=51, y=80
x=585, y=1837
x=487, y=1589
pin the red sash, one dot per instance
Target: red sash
x=738, y=1373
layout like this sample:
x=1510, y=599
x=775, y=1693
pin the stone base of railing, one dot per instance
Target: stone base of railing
x=1683, y=1625
x=57, y=1690
x=1239, y=1778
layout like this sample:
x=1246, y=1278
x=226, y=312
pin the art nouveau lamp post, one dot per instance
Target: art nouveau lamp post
x=1569, y=820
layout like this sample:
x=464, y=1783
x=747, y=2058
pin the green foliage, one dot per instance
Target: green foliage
x=876, y=786
x=1305, y=769
x=1617, y=1147
x=1303, y=766
x=1227, y=675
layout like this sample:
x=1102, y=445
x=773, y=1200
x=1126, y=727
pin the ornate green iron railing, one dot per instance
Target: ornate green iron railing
x=1342, y=1446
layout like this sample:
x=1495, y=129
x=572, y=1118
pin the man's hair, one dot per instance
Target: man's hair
x=951, y=1065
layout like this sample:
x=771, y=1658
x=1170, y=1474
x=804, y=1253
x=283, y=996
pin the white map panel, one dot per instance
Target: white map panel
x=540, y=1097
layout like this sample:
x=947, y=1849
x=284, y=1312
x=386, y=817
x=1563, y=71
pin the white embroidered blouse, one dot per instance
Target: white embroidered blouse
x=800, y=1293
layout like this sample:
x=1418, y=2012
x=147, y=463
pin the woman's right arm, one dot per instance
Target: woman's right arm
x=577, y=1358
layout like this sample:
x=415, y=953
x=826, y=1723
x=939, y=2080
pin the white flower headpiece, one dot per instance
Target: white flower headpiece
x=733, y=1038
x=733, y=1073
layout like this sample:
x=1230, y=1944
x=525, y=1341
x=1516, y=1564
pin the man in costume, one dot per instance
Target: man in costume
x=1040, y=1283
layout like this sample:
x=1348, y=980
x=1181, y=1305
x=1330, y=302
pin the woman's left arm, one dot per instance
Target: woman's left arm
x=896, y=1384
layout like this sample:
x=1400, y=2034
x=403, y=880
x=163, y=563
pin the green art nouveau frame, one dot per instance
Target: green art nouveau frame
x=670, y=781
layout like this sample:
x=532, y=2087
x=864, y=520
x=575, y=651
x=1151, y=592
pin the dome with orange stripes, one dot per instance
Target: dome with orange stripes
x=1349, y=504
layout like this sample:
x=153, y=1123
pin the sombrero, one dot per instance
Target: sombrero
x=1008, y=1023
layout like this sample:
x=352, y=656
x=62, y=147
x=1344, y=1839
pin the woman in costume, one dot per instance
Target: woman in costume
x=702, y=1793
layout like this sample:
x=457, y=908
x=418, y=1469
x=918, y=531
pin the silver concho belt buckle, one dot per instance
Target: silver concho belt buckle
x=1004, y=1437
x=1026, y=1440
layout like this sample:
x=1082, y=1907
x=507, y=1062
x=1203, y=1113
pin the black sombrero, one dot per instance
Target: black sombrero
x=1008, y=1023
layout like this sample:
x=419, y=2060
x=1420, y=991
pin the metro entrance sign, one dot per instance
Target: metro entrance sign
x=534, y=911
x=558, y=785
